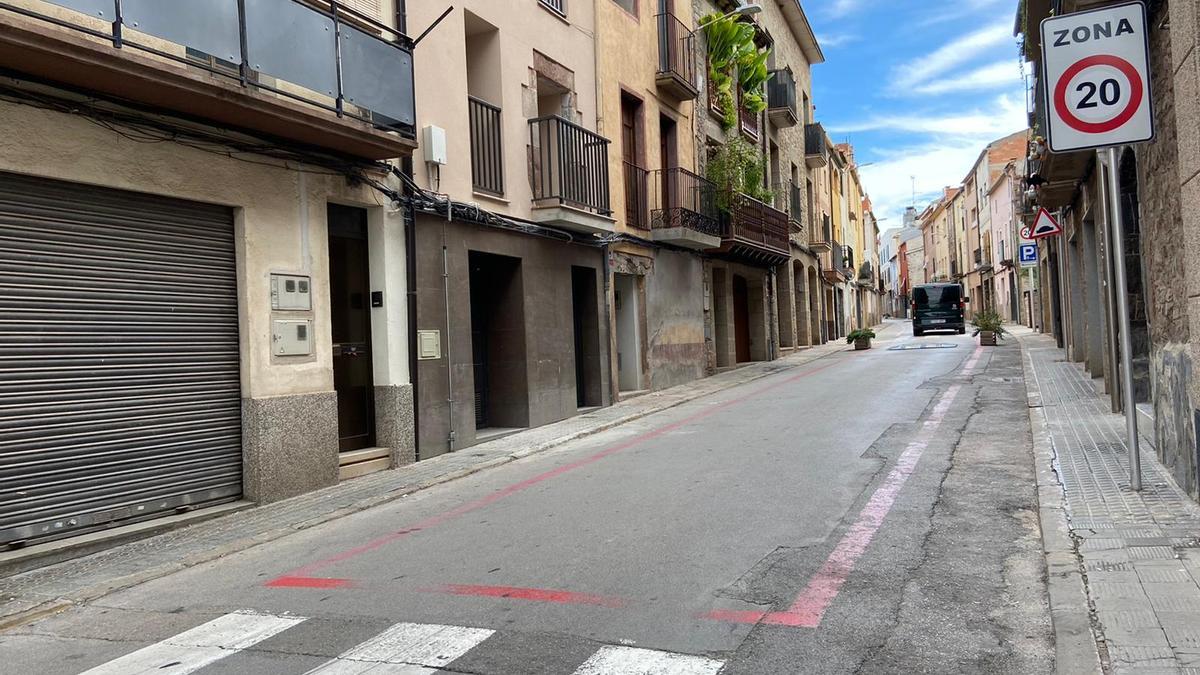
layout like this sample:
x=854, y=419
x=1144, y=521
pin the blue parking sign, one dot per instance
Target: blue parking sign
x=1029, y=255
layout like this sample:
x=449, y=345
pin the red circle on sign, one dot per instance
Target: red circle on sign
x=1135, y=93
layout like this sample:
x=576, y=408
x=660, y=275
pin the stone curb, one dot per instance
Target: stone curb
x=26, y=615
x=1076, y=645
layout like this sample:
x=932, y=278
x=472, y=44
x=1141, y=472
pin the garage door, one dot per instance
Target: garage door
x=119, y=386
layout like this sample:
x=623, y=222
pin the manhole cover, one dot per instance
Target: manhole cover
x=923, y=345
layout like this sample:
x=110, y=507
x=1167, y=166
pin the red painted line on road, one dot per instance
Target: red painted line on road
x=433, y=521
x=533, y=594
x=308, y=582
x=809, y=607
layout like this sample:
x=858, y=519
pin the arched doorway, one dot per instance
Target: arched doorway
x=1139, y=308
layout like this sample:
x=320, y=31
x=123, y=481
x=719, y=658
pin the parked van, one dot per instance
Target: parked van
x=938, y=307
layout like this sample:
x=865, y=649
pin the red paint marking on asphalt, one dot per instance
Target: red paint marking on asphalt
x=308, y=582
x=534, y=594
x=477, y=504
x=809, y=607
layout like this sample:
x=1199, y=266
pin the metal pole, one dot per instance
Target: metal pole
x=1117, y=231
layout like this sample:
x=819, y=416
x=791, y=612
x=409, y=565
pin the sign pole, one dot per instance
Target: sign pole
x=1116, y=234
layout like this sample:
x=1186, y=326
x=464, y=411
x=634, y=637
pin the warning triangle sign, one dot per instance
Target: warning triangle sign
x=1044, y=226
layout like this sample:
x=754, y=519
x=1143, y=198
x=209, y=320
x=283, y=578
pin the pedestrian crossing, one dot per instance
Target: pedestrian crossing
x=401, y=649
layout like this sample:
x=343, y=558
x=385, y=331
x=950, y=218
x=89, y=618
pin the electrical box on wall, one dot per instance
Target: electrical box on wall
x=429, y=345
x=291, y=337
x=433, y=143
x=291, y=292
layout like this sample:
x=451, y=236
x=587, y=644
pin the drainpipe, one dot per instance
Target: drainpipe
x=613, y=386
x=410, y=275
x=451, y=437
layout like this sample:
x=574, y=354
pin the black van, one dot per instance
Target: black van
x=938, y=307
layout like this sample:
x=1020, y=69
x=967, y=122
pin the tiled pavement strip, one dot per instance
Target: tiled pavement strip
x=42, y=591
x=1136, y=552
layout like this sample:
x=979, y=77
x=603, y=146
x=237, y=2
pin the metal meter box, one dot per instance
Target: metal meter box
x=291, y=292
x=291, y=337
x=429, y=345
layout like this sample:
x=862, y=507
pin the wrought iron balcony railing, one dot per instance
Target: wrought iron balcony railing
x=750, y=221
x=487, y=148
x=683, y=199
x=323, y=53
x=568, y=165
x=676, y=57
x=637, y=203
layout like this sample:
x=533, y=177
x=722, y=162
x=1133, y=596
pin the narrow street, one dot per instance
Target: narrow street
x=867, y=512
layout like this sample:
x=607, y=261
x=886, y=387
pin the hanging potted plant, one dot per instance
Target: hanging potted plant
x=735, y=61
x=860, y=338
x=989, y=327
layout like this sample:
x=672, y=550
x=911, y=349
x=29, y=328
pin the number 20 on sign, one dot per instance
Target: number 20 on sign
x=1097, y=70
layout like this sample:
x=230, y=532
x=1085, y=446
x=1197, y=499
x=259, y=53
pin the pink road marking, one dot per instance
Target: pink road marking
x=809, y=607
x=433, y=521
x=533, y=594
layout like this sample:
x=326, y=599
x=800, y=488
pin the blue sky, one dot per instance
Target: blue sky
x=918, y=87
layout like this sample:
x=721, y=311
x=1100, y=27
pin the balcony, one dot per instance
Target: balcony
x=683, y=210
x=754, y=232
x=234, y=64
x=568, y=171
x=637, y=203
x=676, y=58
x=816, y=147
x=487, y=149
x=787, y=198
x=821, y=238
x=781, y=99
x=747, y=121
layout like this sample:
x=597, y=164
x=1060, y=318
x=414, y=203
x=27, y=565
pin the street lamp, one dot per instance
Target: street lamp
x=743, y=9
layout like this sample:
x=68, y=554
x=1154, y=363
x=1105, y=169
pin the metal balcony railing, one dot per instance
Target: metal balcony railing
x=677, y=52
x=747, y=120
x=568, y=165
x=557, y=6
x=487, y=149
x=823, y=234
x=637, y=202
x=753, y=222
x=816, y=149
x=681, y=198
x=796, y=204
x=322, y=53
x=781, y=97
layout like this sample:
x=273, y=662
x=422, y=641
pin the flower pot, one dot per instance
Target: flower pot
x=987, y=338
x=862, y=343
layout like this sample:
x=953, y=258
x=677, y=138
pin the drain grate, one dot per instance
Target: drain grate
x=923, y=345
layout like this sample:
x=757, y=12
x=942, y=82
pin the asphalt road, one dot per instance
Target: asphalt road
x=870, y=511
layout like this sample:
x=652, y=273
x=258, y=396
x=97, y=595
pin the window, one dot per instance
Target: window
x=559, y=7
x=628, y=5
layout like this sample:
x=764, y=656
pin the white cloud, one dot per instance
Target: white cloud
x=949, y=149
x=840, y=8
x=1002, y=74
x=909, y=75
x=836, y=40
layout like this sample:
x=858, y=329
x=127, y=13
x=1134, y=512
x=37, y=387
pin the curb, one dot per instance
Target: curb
x=94, y=592
x=1076, y=645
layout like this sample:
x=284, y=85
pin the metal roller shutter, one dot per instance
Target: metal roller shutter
x=119, y=388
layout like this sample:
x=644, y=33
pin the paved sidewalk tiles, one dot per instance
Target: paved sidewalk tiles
x=1136, y=551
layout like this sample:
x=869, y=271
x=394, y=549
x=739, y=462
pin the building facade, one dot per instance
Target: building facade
x=204, y=275
x=1157, y=183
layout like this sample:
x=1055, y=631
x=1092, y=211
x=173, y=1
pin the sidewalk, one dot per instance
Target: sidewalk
x=1130, y=560
x=46, y=590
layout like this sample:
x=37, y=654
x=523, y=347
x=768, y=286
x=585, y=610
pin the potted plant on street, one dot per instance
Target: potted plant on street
x=988, y=326
x=860, y=338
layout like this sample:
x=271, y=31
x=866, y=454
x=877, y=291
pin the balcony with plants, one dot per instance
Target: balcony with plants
x=751, y=229
x=230, y=63
x=737, y=73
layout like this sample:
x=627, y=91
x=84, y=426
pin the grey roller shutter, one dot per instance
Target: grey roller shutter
x=119, y=384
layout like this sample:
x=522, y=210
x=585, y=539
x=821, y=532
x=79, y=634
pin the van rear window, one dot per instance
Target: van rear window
x=937, y=296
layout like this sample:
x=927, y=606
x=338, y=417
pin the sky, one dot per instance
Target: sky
x=918, y=87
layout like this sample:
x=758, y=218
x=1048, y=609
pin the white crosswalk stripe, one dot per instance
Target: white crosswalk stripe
x=194, y=649
x=407, y=649
x=634, y=661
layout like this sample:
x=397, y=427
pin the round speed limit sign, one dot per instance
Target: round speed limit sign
x=1097, y=78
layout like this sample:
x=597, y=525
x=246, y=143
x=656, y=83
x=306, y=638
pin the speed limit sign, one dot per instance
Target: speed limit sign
x=1097, y=75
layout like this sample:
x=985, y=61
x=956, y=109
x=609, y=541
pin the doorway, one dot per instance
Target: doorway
x=585, y=311
x=498, y=364
x=720, y=306
x=741, y=319
x=629, y=339
x=350, y=315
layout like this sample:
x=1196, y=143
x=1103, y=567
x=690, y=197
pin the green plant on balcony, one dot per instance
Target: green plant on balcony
x=738, y=166
x=734, y=59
